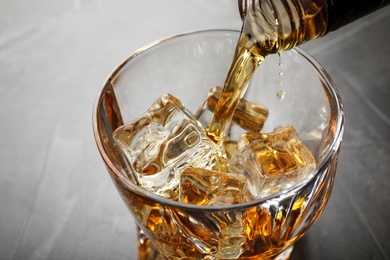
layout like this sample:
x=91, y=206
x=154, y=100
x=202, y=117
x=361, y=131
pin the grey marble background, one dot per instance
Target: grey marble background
x=56, y=199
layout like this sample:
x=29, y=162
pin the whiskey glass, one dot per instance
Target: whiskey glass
x=297, y=92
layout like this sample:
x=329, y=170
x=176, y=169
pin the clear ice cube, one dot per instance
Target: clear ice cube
x=207, y=187
x=249, y=116
x=273, y=161
x=163, y=142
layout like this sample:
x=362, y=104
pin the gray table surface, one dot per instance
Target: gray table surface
x=56, y=199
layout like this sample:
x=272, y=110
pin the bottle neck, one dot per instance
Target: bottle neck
x=277, y=25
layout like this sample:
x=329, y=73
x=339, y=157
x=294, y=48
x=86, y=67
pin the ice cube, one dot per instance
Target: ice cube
x=163, y=142
x=272, y=162
x=249, y=116
x=206, y=187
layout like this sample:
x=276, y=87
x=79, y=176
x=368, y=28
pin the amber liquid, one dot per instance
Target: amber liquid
x=262, y=34
x=246, y=60
x=275, y=26
x=253, y=233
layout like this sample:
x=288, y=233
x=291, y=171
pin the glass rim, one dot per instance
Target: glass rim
x=329, y=153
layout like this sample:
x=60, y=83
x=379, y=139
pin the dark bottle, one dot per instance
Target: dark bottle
x=277, y=25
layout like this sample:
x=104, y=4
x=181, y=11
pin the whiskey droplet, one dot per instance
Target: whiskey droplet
x=281, y=94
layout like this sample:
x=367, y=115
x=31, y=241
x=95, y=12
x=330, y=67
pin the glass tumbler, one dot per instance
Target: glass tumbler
x=297, y=92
